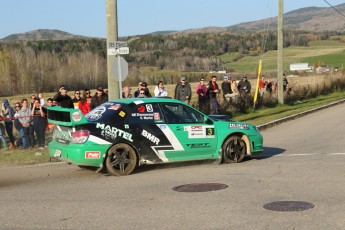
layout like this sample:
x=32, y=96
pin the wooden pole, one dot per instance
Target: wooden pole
x=112, y=36
x=280, y=53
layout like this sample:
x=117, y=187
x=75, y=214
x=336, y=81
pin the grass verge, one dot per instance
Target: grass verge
x=264, y=115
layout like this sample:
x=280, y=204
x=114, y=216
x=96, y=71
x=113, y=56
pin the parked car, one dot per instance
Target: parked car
x=123, y=134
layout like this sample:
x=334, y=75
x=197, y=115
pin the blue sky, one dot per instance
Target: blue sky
x=87, y=17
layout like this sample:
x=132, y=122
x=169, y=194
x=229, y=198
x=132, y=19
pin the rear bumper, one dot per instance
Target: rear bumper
x=87, y=154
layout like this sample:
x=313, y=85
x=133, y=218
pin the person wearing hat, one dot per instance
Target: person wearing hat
x=142, y=91
x=244, y=88
x=183, y=91
x=226, y=88
x=99, y=98
x=201, y=90
x=62, y=99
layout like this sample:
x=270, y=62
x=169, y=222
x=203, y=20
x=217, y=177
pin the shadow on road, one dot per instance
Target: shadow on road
x=269, y=152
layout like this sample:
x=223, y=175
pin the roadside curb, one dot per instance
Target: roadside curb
x=295, y=116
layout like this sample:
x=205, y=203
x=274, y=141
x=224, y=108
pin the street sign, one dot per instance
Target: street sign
x=117, y=44
x=120, y=68
x=122, y=50
x=117, y=48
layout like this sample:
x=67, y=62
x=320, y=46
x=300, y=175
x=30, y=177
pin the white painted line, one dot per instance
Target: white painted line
x=303, y=154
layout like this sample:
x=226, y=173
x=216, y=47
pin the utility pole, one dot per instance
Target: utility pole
x=280, y=41
x=112, y=35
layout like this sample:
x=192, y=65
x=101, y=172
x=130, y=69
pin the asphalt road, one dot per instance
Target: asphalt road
x=303, y=161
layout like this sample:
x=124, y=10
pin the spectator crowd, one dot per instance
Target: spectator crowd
x=29, y=118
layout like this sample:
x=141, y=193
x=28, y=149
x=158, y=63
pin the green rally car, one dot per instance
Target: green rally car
x=123, y=134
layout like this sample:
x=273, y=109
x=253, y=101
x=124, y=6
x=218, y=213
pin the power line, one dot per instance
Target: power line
x=334, y=8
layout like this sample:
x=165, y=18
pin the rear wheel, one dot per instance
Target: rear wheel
x=121, y=160
x=234, y=149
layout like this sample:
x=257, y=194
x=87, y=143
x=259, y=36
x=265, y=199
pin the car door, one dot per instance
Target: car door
x=151, y=139
x=191, y=137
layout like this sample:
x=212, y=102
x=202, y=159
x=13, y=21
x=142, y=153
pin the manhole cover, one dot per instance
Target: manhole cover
x=288, y=206
x=199, y=187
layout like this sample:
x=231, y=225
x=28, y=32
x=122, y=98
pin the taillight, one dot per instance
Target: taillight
x=80, y=136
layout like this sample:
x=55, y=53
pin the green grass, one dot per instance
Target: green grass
x=337, y=59
x=23, y=157
x=264, y=115
x=326, y=52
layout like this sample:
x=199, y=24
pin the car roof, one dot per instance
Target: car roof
x=145, y=100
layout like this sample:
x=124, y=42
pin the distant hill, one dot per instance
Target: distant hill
x=316, y=19
x=41, y=34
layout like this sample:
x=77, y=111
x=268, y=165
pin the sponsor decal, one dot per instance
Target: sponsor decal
x=122, y=114
x=141, y=109
x=199, y=145
x=199, y=131
x=109, y=132
x=149, y=108
x=197, y=134
x=92, y=155
x=156, y=116
x=126, y=126
x=76, y=116
x=238, y=126
x=61, y=135
x=114, y=107
x=96, y=113
x=150, y=137
x=162, y=126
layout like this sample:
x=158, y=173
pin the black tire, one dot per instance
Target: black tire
x=234, y=149
x=121, y=160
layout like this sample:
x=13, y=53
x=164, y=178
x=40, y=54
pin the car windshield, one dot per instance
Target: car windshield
x=107, y=112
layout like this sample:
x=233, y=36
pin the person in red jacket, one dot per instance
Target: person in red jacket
x=85, y=102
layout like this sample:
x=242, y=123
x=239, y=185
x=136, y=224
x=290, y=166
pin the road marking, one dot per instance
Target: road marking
x=303, y=154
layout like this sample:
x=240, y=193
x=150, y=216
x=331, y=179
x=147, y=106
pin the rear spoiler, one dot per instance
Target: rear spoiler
x=65, y=116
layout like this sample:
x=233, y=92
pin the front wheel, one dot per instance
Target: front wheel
x=234, y=149
x=121, y=160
